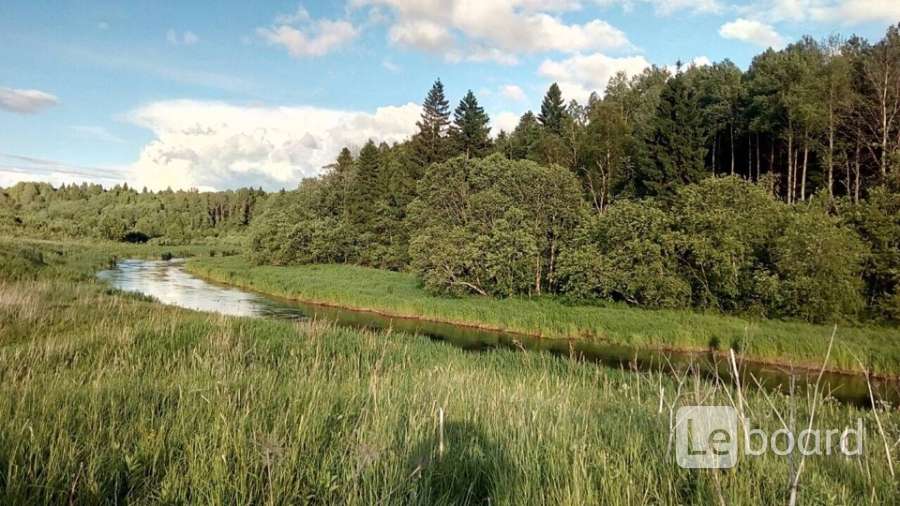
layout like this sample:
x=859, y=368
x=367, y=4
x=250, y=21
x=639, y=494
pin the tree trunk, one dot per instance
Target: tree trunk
x=803, y=177
x=537, y=276
x=830, y=151
x=749, y=157
x=757, y=157
x=790, y=167
x=731, y=146
x=715, y=145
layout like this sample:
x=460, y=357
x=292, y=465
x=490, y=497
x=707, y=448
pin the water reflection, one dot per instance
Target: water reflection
x=170, y=284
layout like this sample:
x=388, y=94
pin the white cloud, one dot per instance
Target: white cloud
x=390, y=66
x=421, y=34
x=304, y=36
x=753, y=32
x=513, y=92
x=846, y=12
x=313, y=38
x=493, y=30
x=667, y=7
x=580, y=74
x=26, y=101
x=187, y=38
x=505, y=121
x=217, y=145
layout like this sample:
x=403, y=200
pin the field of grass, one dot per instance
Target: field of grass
x=400, y=294
x=112, y=398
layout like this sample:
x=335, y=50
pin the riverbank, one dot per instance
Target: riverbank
x=107, y=397
x=399, y=295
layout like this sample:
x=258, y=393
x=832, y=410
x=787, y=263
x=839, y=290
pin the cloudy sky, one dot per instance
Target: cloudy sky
x=234, y=93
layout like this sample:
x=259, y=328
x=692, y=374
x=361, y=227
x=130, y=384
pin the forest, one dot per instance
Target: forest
x=773, y=191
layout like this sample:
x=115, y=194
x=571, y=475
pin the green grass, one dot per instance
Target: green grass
x=109, y=398
x=877, y=347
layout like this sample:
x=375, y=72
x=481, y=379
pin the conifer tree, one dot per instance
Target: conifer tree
x=430, y=141
x=470, y=131
x=553, y=110
x=365, y=188
x=676, y=150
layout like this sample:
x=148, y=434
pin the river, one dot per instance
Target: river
x=168, y=282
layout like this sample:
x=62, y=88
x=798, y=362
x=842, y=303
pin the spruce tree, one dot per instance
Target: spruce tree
x=470, y=131
x=553, y=110
x=430, y=141
x=676, y=150
x=365, y=188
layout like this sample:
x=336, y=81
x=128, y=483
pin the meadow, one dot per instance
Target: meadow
x=857, y=348
x=108, y=397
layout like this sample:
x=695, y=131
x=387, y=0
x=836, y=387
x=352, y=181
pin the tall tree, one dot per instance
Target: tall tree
x=881, y=104
x=430, y=141
x=365, y=190
x=470, y=132
x=553, y=110
x=675, y=151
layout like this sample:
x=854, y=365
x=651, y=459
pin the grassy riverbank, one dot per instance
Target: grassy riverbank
x=107, y=397
x=878, y=348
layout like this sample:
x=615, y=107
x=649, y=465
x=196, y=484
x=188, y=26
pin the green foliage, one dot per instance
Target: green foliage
x=819, y=263
x=724, y=233
x=492, y=226
x=430, y=142
x=553, y=110
x=675, y=150
x=627, y=254
x=725, y=244
x=470, y=133
x=121, y=213
x=877, y=220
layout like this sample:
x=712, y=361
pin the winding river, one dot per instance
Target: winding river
x=168, y=282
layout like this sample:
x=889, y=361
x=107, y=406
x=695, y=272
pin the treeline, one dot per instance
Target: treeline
x=124, y=214
x=622, y=198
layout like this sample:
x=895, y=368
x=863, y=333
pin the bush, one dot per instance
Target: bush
x=877, y=221
x=725, y=227
x=628, y=253
x=819, y=264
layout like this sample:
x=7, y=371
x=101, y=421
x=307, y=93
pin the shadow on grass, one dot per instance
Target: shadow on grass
x=472, y=469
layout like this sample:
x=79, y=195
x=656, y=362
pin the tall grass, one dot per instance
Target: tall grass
x=110, y=398
x=877, y=347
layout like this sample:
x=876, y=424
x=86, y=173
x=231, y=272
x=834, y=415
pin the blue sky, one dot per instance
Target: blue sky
x=187, y=94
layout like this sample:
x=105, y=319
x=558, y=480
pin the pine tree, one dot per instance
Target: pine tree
x=553, y=110
x=365, y=188
x=430, y=141
x=470, y=131
x=676, y=150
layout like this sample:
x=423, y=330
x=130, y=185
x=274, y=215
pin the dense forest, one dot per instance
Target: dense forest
x=772, y=191
x=123, y=214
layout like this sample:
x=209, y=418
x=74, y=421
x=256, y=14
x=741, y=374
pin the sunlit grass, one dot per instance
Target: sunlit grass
x=110, y=398
x=878, y=348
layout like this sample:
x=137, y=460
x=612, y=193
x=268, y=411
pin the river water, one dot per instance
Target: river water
x=168, y=282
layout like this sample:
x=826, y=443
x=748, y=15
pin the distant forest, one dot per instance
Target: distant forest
x=774, y=191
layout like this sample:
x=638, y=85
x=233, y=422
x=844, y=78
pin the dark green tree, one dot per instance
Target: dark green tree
x=553, y=110
x=470, y=132
x=431, y=140
x=675, y=151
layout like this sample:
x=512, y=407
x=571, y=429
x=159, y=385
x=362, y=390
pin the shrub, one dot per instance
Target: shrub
x=819, y=263
x=626, y=254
